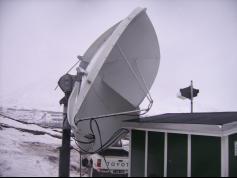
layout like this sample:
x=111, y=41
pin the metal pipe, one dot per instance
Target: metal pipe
x=64, y=159
x=191, y=96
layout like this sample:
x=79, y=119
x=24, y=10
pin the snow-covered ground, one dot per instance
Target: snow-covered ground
x=34, y=116
x=30, y=150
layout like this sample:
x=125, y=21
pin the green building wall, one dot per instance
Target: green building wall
x=232, y=156
x=138, y=153
x=155, y=165
x=177, y=155
x=205, y=155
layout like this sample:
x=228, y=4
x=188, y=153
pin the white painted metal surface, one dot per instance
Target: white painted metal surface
x=189, y=161
x=122, y=66
x=146, y=154
x=166, y=155
x=130, y=153
x=193, y=129
x=225, y=156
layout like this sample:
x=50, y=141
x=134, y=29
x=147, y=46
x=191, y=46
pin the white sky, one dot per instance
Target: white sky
x=39, y=41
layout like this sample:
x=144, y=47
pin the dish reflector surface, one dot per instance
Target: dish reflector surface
x=121, y=67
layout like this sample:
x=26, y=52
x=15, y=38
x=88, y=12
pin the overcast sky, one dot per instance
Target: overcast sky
x=40, y=39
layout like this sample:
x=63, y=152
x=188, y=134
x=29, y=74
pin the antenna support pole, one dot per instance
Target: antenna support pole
x=191, y=96
x=64, y=159
x=66, y=84
x=189, y=93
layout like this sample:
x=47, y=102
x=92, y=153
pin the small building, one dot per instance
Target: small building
x=184, y=145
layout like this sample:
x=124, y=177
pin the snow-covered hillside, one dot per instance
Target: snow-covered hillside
x=43, y=118
x=30, y=150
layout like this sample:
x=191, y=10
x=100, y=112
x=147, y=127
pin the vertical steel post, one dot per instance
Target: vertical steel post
x=66, y=83
x=166, y=155
x=64, y=160
x=130, y=154
x=80, y=165
x=146, y=154
x=189, y=174
x=225, y=156
x=191, y=96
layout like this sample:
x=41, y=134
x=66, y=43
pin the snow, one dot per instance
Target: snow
x=24, y=154
x=39, y=117
x=33, y=127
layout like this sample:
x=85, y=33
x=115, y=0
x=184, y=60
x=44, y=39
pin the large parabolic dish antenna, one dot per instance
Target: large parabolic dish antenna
x=120, y=68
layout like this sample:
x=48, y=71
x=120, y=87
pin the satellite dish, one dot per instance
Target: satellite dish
x=119, y=70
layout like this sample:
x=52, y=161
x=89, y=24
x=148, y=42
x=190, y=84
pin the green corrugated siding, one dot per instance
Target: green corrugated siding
x=138, y=154
x=206, y=156
x=232, y=156
x=155, y=165
x=177, y=155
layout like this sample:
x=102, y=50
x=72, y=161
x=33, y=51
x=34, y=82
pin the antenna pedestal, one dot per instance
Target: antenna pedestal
x=64, y=160
x=66, y=83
